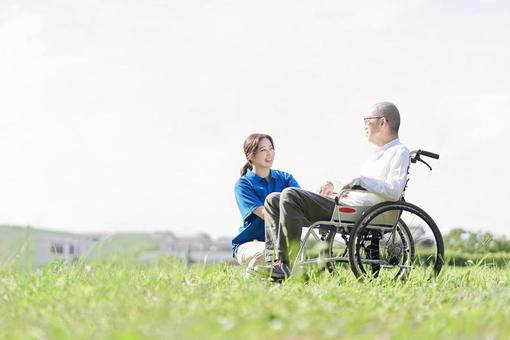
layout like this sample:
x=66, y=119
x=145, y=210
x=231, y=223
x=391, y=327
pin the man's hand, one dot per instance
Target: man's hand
x=344, y=193
x=327, y=188
x=346, y=186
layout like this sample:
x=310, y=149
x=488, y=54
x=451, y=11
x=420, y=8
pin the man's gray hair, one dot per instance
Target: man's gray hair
x=390, y=112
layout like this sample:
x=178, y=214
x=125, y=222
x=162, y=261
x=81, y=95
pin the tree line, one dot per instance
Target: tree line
x=461, y=240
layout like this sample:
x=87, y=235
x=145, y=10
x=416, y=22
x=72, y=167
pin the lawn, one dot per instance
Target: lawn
x=124, y=299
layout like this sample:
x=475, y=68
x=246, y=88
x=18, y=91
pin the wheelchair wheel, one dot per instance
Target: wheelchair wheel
x=335, y=249
x=395, y=240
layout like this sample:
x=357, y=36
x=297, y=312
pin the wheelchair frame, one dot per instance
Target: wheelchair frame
x=352, y=222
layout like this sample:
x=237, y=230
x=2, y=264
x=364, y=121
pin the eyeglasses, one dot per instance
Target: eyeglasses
x=366, y=120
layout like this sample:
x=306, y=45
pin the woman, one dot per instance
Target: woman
x=257, y=181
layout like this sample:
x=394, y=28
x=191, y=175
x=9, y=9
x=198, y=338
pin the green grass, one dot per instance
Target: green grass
x=121, y=299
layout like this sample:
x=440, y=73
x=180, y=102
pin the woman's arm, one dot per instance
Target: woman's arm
x=260, y=212
x=247, y=200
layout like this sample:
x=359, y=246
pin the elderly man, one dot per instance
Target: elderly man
x=384, y=177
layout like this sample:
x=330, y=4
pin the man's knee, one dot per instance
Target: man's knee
x=272, y=200
x=290, y=194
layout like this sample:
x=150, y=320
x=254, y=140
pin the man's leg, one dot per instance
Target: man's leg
x=272, y=219
x=299, y=208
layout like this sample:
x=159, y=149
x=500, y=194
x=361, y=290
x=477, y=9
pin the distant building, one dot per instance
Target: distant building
x=39, y=247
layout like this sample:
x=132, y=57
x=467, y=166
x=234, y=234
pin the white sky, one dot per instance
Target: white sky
x=130, y=115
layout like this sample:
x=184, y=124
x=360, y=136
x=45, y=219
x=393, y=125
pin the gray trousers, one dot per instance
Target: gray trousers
x=286, y=214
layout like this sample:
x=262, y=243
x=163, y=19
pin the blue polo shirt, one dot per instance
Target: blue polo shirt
x=251, y=190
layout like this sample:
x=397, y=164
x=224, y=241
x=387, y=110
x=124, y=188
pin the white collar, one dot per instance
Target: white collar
x=379, y=150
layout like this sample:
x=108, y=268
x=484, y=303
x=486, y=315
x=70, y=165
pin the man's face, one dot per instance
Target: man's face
x=373, y=126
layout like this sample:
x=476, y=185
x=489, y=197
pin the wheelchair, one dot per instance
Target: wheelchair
x=388, y=240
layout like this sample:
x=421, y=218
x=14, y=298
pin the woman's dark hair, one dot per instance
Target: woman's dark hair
x=251, y=145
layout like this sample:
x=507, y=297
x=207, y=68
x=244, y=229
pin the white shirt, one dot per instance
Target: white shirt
x=384, y=176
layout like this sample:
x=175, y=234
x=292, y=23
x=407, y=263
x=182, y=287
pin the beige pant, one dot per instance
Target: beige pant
x=250, y=254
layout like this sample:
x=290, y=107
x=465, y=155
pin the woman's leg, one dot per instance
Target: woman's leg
x=250, y=254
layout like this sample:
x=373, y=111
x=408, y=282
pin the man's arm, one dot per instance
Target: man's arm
x=392, y=187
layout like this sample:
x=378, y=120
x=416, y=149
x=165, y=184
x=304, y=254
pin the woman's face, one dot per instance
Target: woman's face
x=264, y=156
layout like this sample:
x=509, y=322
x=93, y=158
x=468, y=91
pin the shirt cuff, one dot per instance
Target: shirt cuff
x=356, y=181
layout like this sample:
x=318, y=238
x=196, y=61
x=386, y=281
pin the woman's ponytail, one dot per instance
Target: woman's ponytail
x=247, y=166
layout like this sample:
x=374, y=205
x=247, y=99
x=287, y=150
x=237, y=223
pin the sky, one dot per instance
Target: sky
x=131, y=115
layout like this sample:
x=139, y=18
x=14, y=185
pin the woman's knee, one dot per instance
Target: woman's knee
x=251, y=253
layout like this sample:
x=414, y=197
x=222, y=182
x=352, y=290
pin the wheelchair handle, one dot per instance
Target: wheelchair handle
x=428, y=154
x=416, y=156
